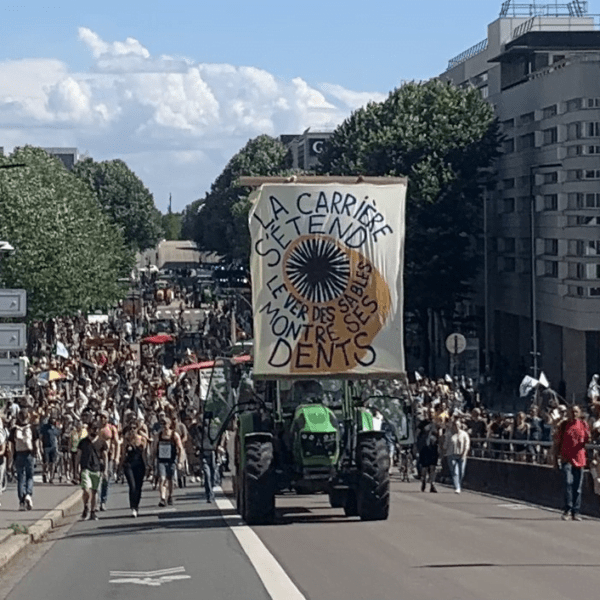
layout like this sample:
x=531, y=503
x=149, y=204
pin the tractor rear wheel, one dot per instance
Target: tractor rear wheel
x=258, y=494
x=373, y=494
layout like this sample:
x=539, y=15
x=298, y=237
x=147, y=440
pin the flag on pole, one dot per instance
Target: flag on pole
x=544, y=380
x=233, y=327
x=527, y=386
x=418, y=376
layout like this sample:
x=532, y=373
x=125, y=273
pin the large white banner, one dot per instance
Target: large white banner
x=327, y=266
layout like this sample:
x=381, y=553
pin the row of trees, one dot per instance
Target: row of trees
x=75, y=232
x=444, y=139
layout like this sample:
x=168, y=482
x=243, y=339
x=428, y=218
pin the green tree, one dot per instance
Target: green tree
x=68, y=254
x=221, y=218
x=445, y=140
x=123, y=196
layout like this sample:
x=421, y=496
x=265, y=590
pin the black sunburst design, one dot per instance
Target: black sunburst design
x=318, y=269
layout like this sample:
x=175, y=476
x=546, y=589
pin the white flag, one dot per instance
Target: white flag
x=448, y=379
x=544, y=380
x=418, y=376
x=61, y=350
x=527, y=385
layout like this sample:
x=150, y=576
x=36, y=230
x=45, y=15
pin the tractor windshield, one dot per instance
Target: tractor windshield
x=311, y=391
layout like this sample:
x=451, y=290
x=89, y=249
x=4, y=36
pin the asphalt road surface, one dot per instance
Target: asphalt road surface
x=434, y=546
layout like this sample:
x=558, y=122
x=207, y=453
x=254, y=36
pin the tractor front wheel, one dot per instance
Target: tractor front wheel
x=258, y=493
x=373, y=494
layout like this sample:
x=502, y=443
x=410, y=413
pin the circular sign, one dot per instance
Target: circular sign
x=456, y=343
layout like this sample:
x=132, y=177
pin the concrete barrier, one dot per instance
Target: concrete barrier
x=536, y=484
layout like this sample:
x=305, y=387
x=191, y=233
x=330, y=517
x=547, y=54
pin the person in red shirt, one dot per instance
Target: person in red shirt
x=569, y=447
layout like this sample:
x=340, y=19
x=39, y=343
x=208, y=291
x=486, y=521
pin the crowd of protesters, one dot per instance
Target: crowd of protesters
x=101, y=406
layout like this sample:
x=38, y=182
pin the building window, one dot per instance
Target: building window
x=508, y=124
x=551, y=268
x=574, y=151
x=549, y=111
x=526, y=141
x=485, y=91
x=550, y=136
x=592, y=248
x=551, y=202
x=508, y=245
x=551, y=247
x=507, y=264
x=574, y=104
x=508, y=146
x=575, y=200
x=508, y=184
x=591, y=129
x=592, y=201
x=523, y=181
x=573, y=131
x=551, y=177
x=593, y=103
x=527, y=118
x=508, y=205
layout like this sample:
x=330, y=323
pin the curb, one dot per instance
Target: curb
x=12, y=544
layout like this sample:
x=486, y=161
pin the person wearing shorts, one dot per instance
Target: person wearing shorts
x=92, y=460
x=168, y=451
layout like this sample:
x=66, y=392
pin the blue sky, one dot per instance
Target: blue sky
x=176, y=88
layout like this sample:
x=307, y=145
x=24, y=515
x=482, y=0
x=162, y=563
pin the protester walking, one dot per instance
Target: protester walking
x=570, y=439
x=428, y=457
x=135, y=441
x=168, y=452
x=23, y=437
x=457, y=445
x=92, y=460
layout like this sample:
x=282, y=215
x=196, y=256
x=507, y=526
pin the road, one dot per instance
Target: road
x=434, y=546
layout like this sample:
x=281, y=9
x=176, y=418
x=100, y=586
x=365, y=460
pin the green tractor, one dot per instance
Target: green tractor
x=309, y=436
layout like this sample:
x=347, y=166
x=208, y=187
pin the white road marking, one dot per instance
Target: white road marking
x=276, y=581
x=515, y=506
x=150, y=578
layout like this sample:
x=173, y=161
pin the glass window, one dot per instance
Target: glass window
x=574, y=104
x=509, y=245
x=508, y=146
x=508, y=124
x=508, y=184
x=550, y=136
x=508, y=205
x=526, y=141
x=527, y=118
x=551, y=268
x=551, y=247
x=551, y=177
x=573, y=131
x=549, y=111
x=551, y=202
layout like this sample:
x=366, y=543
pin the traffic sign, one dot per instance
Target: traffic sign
x=12, y=371
x=13, y=336
x=13, y=303
x=456, y=343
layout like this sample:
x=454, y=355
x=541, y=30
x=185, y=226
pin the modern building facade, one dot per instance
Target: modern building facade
x=306, y=148
x=540, y=68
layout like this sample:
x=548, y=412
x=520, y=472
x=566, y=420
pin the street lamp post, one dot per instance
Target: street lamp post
x=532, y=223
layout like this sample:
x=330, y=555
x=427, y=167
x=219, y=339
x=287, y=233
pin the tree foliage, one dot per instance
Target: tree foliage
x=68, y=254
x=123, y=196
x=444, y=139
x=171, y=224
x=220, y=220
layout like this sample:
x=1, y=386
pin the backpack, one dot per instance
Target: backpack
x=23, y=438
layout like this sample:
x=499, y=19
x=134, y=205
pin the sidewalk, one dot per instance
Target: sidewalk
x=51, y=504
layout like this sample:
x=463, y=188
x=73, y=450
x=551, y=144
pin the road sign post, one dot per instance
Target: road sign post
x=13, y=337
x=456, y=344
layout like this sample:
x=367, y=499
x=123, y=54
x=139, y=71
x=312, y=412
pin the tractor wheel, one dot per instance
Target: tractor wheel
x=259, y=483
x=373, y=495
x=337, y=498
x=351, y=506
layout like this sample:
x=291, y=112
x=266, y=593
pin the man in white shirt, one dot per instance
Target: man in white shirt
x=457, y=446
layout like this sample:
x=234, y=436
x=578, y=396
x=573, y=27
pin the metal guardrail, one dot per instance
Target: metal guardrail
x=469, y=53
x=531, y=451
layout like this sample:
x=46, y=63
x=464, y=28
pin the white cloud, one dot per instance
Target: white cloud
x=175, y=121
